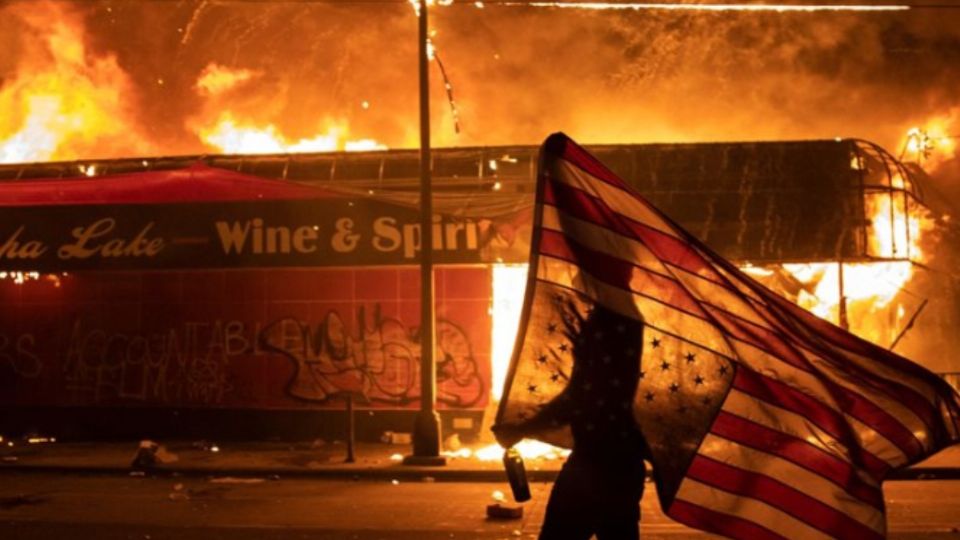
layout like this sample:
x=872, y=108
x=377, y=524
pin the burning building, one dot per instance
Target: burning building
x=266, y=337
x=289, y=282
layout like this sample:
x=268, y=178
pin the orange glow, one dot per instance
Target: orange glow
x=20, y=278
x=869, y=287
x=528, y=448
x=233, y=137
x=227, y=129
x=933, y=143
x=509, y=284
x=64, y=101
x=216, y=79
x=778, y=8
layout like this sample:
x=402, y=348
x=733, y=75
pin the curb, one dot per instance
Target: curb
x=927, y=473
x=399, y=472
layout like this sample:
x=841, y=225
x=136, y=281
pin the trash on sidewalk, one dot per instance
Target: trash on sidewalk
x=40, y=440
x=179, y=493
x=502, y=511
x=151, y=454
x=236, y=480
x=395, y=437
x=206, y=446
x=179, y=496
x=454, y=448
x=453, y=443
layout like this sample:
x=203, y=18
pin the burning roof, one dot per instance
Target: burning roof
x=796, y=201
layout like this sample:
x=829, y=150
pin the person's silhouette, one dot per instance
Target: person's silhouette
x=599, y=488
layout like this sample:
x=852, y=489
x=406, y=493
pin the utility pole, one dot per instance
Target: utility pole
x=426, y=428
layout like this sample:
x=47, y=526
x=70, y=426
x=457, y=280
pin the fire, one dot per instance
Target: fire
x=229, y=123
x=528, y=448
x=896, y=232
x=19, y=278
x=415, y=4
x=706, y=6
x=933, y=143
x=216, y=79
x=509, y=284
x=877, y=283
x=233, y=137
x=64, y=101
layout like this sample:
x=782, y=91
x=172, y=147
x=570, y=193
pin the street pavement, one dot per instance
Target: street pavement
x=261, y=490
x=36, y=505
x=316, y=459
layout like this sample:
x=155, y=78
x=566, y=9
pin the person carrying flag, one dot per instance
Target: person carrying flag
x=599, y=488
x=761, y=420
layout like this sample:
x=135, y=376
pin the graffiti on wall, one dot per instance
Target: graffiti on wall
x=186, y=364
x=222, y=363
x=18, y=355
x=381, y=363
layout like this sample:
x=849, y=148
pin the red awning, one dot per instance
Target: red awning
x=197, y=183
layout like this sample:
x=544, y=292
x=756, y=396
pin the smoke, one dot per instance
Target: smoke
x=667, y=76
x=56, y=96
x=518, y=73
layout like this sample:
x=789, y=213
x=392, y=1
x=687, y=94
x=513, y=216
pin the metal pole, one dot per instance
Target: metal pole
x=351, y=431
x=426, y=429
x=842, y=294
x=909, y=325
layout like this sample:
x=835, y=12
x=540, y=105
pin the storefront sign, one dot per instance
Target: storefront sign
x=324, y=232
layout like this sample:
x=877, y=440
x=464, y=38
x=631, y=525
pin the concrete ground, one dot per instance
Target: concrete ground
x=313, y=460
x=47, y=505
x=260, y=491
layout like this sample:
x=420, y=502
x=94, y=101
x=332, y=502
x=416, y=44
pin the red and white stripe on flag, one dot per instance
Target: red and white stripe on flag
x=763, y=420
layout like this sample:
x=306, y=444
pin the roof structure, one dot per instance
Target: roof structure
x=783, y=201
x=196, y=182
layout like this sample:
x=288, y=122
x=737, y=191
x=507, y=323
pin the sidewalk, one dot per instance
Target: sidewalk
x=318, y=460
x=258, y=459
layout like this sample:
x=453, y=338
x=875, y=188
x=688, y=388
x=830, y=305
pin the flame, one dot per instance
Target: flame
x=231, y=131
x=363, y=145
x=233, y=137
x=896, y=229
x=778, y=8
x=65, y=101
x=509, y=284
x=933, y=143
x=877, y=283
x=216, y=79
x=527, y=448
x=415, y=4
x=897, y=232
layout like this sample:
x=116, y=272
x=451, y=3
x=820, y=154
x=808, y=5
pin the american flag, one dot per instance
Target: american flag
x=762, y=420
